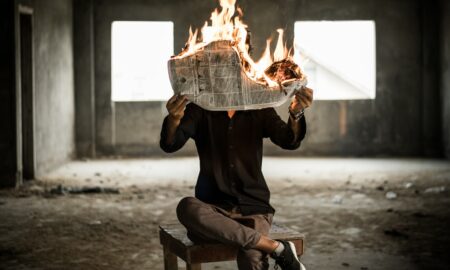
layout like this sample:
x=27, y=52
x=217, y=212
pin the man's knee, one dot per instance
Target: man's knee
x=187, y=209
x=252, y=259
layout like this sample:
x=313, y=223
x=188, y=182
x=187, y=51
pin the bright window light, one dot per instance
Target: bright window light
x=140, y=51
x=338, y=57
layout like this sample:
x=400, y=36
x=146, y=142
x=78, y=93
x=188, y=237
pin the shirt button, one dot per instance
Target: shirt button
x=231, y=165
x=231, y=146
x=230, y=127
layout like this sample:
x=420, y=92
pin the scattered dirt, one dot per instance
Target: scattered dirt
x=348, y=221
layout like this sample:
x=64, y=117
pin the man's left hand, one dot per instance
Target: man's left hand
x=302, y=100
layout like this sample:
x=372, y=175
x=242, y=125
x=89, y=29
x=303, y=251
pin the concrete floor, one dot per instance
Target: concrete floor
x=340, y=204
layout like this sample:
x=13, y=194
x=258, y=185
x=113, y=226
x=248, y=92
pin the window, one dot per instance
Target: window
x=139, y=52
x=338, y=57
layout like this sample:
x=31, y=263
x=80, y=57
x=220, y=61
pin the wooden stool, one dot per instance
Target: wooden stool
x=175, y=244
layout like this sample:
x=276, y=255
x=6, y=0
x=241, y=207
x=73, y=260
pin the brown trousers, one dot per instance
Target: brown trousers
x=207, y=223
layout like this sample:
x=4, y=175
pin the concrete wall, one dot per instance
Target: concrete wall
x=54, y=108
x=431, y=108
x=84, y=76
x=392, y=124
x=54, y=83
x=445, y=74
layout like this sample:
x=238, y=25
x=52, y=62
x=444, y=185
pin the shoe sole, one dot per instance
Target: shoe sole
x=302, y=267
x=292, y=246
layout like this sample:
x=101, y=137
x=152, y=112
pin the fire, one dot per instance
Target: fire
x=225, y=25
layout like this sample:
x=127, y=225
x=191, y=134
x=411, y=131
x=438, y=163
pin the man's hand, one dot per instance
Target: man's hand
x=175, y=106
x=302, y=100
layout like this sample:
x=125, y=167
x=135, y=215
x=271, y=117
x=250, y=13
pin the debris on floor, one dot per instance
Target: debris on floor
x=395, y=233
x=61, y=190
x=337, y=199
x=391, y=195
x=41, y=230
x=435, y=189
x=408, y=185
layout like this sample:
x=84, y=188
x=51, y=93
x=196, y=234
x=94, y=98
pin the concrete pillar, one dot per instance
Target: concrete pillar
x=431, y=117
x=445, y=74
x=84, y=77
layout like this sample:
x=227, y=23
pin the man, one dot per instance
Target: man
x=231, y=203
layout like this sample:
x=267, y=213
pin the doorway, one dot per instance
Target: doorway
x=27, y=91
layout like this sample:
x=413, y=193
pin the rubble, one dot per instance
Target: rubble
x=435, y=190
x=395, y=233
x=390, y=195
x=337, y=199
x=61, y=190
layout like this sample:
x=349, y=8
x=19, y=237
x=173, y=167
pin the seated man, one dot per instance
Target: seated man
x=231, y=203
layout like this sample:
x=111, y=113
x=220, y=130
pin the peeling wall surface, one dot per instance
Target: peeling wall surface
x=392, y=124
x=54, y=83
x=445, y=74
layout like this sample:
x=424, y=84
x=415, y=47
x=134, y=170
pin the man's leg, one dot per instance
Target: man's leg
x=205, y=221
x=254, y=259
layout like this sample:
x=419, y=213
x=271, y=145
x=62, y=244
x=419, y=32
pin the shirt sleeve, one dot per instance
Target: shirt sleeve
x=280, y=132
x=187, y=129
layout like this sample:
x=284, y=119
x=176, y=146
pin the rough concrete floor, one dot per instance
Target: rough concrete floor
x=340, y=204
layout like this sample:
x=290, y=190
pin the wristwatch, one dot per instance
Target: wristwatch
x=297, y=116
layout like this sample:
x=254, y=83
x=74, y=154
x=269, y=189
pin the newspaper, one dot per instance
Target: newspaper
x=213, y=79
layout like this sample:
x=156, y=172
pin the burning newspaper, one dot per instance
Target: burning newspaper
x=217, y=73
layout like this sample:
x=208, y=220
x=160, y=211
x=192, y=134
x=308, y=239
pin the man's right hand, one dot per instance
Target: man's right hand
x=175, y=106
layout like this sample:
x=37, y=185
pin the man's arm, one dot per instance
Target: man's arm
x=175, y=106
x=295, y=127
x=179, y=125
x=303, y=99
x=288, y=135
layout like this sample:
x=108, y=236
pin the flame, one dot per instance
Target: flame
x=281, y=51
x=265, y=60
x=224, y=25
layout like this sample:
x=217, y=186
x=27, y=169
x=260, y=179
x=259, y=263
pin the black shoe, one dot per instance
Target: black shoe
x=288, y=259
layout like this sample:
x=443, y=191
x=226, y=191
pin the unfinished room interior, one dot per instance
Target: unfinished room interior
x=151, y=134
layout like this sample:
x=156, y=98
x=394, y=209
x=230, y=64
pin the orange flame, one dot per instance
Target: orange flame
x=226, y=26
x=281, y=51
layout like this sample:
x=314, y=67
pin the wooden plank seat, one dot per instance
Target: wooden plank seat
x=175, y=244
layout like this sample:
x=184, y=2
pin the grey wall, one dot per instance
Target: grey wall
x=445, y=74
x=54, y=141
x=84, y=76
x=54, y=83
x=400, y=121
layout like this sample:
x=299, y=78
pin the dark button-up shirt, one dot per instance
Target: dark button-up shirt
x=230, y=152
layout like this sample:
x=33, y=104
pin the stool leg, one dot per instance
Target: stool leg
x=193, y=266
x=170, y=260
